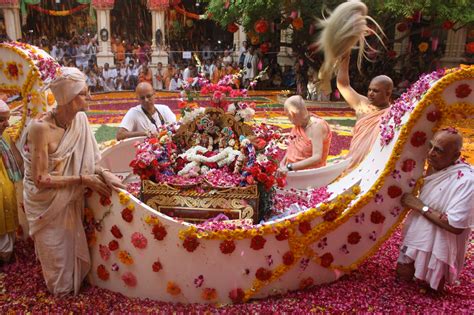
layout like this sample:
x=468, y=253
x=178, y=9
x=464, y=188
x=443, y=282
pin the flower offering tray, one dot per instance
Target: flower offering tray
x=200, y=203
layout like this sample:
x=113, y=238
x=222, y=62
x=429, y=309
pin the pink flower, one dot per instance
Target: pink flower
x=139, y=240
x=104, y=252
x=129, y=279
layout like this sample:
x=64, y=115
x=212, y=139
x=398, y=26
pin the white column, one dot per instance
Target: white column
x=455, y=48
x=239, y=37
x=159, y=53
x=285, y=56
x=12, y=22
x=105, y=52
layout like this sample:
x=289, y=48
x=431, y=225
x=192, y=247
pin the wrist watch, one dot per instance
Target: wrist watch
x=425, y=210
x=289, y=166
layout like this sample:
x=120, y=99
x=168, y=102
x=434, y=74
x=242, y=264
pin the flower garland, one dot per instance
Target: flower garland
x=59, y=13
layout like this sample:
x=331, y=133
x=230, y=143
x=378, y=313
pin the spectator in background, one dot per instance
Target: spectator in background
x=145, y=74
x=159, y=79
x=109, y=76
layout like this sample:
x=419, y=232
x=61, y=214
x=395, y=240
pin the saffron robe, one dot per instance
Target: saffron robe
x=366, y=132
x=55, y=214
x=301, y=147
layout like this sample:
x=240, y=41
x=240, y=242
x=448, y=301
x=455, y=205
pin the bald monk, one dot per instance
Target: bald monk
x=436, y=232
x=369, y=110
x=60, y=155
x=310, y=138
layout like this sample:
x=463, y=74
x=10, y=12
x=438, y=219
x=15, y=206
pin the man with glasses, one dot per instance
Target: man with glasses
x=144, y=119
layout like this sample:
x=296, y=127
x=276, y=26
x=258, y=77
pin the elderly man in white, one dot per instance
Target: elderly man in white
x=436, y=232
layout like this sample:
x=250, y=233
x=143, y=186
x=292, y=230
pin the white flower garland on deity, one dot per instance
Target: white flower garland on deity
x=195, y=158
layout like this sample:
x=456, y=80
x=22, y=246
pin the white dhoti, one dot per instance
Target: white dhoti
x=437, y=253
x=55, y=215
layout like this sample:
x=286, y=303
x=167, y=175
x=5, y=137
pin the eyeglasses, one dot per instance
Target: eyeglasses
x=144, y=97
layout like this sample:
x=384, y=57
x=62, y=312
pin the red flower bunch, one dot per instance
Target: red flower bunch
x=265, y=173
x=306, y=283
x=376, y=217
x=263, y=274
x=190, y=243
x=157, y=266
x=447, y=25
x=265, y=47
x=139, y=240
x=282, y=235
x=237, y=295
x=304, y=227
x=463, y=90
x=227, y=247
x=232, y=28
x=408, y=165
x=257, y=242
x=127, y=215
x=261, y=26
x=433, y=115
x=113, y=245
x=102, y=273
x=13, y=70
x=326, y=260
x=353, y=238
x=418, y=139
x=394, y=191
x=159, y=232
x=288, y=258
x=116, y=232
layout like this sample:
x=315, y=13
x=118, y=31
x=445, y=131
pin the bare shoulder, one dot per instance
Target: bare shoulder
x=38, y=130
x=318, y=127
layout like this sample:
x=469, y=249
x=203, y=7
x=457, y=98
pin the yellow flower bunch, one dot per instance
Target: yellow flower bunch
x=151, y=220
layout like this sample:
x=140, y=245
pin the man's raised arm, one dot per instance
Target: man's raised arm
x=354, y=99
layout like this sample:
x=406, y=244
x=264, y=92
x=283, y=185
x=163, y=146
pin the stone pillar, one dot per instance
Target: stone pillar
x=158, y=25
x=455, y=48
x=239, y=37
x=11, y=14
x=285, y=56
x=103, y=8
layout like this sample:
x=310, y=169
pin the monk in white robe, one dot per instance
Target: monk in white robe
x=60, y=155
x=369, y=111
x=436, y=232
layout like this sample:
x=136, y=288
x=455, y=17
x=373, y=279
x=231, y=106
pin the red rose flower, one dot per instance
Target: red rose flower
x=127, y=215
x=418, y=139
x=261, y=26
x=232, y=28
x=105, y=201
x=237, y=295
x=258, y=242
x=281, y=182
x=353, y=238
x=262, y=177
x=282, y=235
x=463, y=90
x=227, y=247
x=190, y=243
x=447, y=25
x=402, y=27
x=306, y=283
x=102, y=273
x=376, y=217
x=330, y=216
x=394, y=191
x=326, y=260
x=159, y=232
x=157, y=266
x=408, y=165
x=113, y=245
x=116, y=232
x=433, y=116
x=264, y=48
x=129, y=279
x=288, y=258
x=263, y=274
x=304, y=227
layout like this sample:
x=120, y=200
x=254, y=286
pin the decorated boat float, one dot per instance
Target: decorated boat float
x=160, y=239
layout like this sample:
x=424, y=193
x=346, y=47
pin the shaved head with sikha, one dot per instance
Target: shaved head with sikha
x=445, y=148
x=146, y=95
x=296, y=110
x=380, y=91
